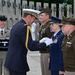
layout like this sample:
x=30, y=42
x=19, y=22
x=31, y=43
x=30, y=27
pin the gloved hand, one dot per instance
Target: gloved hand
x=48, y=42
x=43, y=40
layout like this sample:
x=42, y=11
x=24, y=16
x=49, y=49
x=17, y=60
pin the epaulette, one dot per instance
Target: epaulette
x=25, y=24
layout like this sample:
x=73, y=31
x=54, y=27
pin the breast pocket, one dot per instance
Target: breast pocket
x=68, y=49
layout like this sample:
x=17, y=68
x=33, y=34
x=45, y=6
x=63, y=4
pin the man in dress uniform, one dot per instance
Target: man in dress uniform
x=3, y=29
x=20, y=42
x=4, y=34
x=45, y=31
x=68, y=45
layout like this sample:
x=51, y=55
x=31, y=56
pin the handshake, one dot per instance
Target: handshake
x=46, y=40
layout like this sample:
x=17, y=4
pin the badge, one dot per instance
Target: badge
x=68, y=44
x=55, y=41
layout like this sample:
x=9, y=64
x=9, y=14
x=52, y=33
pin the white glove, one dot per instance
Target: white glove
x=48, y=41
x=43, y=40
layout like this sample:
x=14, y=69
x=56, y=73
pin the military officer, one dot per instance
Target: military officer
x=4, y=34
x=4, y=31
x=68, y=45
x=45, y=31
x=56, y=59
x=20, y=42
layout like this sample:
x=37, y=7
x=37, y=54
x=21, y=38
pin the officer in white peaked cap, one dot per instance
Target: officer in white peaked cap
x=32, y=12
x=20, y=42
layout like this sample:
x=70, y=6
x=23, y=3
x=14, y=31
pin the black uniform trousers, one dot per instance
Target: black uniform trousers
x=16, y=73
x=55, y=73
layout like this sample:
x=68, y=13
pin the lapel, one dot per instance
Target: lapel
x=57, y=35
x=5, y=30
x=64, y=41
x=44, y=26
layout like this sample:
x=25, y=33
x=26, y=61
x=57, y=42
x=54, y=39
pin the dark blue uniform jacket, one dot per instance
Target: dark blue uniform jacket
x=56, y=56
x=19, y=43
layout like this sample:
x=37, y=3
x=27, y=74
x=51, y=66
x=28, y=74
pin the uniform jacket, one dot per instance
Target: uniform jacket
x=45, y=32
x=4, y=38
x=56, y=56
x=68, y=46
x=6, y=33
x=19, y=43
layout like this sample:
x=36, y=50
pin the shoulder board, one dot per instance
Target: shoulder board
x=25, y=24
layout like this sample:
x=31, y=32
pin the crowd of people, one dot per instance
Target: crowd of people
x=56, y=43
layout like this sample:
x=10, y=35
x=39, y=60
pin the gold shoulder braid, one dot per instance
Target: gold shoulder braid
x=27, y=36
x=25, y=24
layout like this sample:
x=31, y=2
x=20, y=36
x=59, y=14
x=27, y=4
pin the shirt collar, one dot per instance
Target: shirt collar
x=56, y=33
